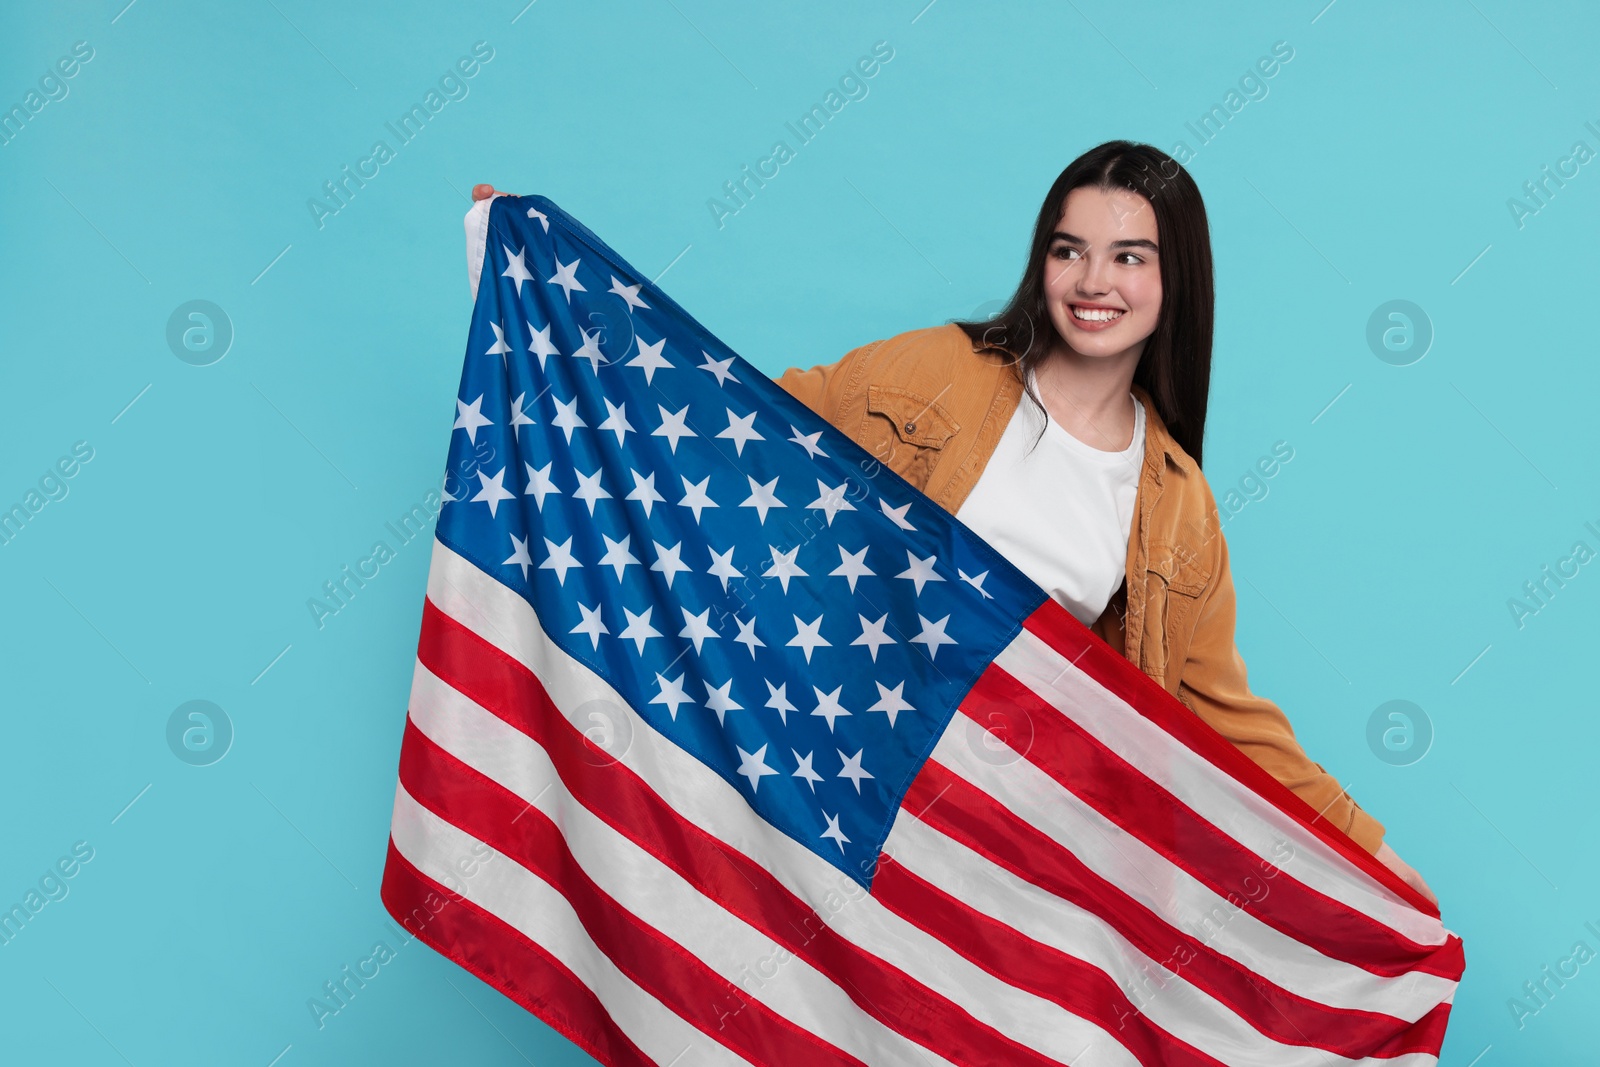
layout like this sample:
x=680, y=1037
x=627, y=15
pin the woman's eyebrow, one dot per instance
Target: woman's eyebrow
x=1137, y=242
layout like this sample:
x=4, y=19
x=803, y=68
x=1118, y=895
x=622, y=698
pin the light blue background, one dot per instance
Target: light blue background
x=1378, y=566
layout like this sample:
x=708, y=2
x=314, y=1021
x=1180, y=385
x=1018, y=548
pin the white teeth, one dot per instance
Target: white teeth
x=1095, y=314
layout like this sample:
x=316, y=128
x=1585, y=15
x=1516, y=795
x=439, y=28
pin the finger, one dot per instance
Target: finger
x=484, y=192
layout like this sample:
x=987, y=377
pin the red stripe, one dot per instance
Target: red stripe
x=618, y=796
x=505, y=822
x=475, y=939
x=1075, y=759
x=954, y=807
x=1080, y=988
x=1059, y=629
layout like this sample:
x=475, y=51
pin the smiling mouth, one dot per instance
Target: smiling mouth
x=1084, y=314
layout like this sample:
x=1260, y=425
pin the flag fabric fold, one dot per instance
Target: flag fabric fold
x=727, y=745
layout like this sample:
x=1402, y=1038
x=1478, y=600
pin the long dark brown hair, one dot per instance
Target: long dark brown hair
x=1175, y=367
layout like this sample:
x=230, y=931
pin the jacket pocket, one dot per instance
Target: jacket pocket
x=1176, y=575
x=906, y=431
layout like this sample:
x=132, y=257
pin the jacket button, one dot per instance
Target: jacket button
x=911, y=427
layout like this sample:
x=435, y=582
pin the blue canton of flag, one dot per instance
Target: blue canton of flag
x=757, y=587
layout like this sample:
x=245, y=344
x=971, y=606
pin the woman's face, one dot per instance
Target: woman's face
x=1102, y=278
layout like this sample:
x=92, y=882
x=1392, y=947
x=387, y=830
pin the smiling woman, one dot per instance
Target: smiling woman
x=1094, y=489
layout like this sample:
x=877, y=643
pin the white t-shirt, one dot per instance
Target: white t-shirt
x=1062, y=511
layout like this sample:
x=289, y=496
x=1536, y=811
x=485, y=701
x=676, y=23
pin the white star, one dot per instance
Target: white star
x=535, y=213
x=896, y=515
x=591, y=626
x=722, y=567
x=741, y=428
x=853, y=769
x=828, y=706
x=519, y=418
x=754, y=765
x=833, y=833
x=668, y=561
x=673, y=427
x=696, y=497
x=932, y=635
x=778, y=700
x=630, y=293
x=671, y=695
x=697, y=628
x=718, y=367
x=783, y=566
x=872, y=635
x=808, y=636
x=589, y=490
x=976, y=581
x=499, y=348
x=561, y=560
x=852, y=565
x=470, y=416
x=719, y=700
x=493, y=490
x=567, y=417
x=644, y=491
x=805, y=771
x=516, y=270
x=617, y=555
x=590, y=349
x=891, y=702
x=539, y=483
x=830, y=499
x=763, y=498
x=639, y=629
x=808, y=441
x=920, y=570
x=540, y=345
x=747, y=636
x=567, y=278
x=616, y=420
x=649, y=359
x=519, y=556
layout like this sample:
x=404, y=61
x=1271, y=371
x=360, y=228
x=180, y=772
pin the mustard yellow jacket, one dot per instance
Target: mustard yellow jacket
x=931, y=404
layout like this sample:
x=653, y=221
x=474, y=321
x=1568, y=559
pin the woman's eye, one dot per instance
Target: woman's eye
x=1063, y=251
x=1132, y=256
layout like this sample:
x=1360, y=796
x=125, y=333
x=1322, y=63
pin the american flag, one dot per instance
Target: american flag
x=726, y=745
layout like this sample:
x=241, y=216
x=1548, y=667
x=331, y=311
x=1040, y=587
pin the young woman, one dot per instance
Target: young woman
x=1092, y=488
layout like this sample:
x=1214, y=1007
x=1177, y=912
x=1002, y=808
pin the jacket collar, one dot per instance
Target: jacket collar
x=1160, y=447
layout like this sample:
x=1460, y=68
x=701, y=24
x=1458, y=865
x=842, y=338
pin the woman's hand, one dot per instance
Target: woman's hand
x=484, y=192
x=1387, y=856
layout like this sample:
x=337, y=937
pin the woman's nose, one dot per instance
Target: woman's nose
x=1093, y=280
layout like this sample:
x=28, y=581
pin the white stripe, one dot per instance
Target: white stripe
x=651, y=890
x=531, y=906
x=490, y=610
x=1195, y=781
x=1180, y=899
x=1163, y=995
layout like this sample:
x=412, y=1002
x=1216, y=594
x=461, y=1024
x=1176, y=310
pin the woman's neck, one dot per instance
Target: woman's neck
x=1089, y=397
